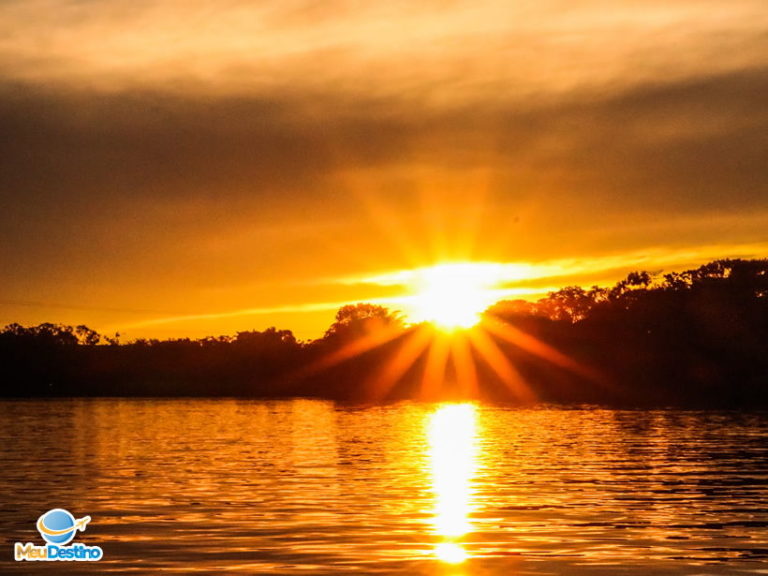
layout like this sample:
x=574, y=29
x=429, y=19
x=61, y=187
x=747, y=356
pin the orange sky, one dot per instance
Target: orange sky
x=193, y=168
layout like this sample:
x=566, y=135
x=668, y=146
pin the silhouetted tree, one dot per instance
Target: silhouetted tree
x=633, y=281
x=571, y=304
x=356, y=320
x=86, y=336
x=269, y=338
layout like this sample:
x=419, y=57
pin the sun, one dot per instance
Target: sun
x=452, y=296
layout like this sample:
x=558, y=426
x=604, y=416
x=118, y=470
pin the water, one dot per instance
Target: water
x=307, y=487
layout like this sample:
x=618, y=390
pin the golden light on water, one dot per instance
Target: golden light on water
x=453, y=461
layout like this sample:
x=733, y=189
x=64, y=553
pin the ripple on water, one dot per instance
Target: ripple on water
x=308, y=487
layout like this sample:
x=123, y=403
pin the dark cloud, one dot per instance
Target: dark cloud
x=695, y=144
x=80, y=168
x=149, y=143
x=697, y=139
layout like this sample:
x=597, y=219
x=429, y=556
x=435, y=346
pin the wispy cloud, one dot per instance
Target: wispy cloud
x=469, y=46
x=525, y=278
x=504, y=280
x=243, y=313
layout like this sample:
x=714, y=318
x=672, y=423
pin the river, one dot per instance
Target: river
x=311, y=487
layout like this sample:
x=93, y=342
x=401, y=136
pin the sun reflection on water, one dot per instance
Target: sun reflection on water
x=452, y=456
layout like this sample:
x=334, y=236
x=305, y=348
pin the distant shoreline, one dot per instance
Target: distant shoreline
x=697, y=338
x=683, y=408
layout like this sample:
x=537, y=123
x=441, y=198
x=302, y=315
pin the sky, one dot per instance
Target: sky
x=199, y=167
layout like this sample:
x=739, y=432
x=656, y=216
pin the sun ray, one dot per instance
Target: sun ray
x=435, y=368
x=464, y=365
x=390, y=223
x=433, y=219
x=374, y=339
x=471, y=225
x=405, y=357
x=534, y=346
x=500, y=364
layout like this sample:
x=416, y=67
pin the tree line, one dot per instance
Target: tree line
x=695, y=338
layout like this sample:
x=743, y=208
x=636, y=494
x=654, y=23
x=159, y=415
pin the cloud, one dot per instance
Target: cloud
x=694, y=142
x=466, y=46
x=531, y=274
x=290, y=309
x=86, y=172
x=154, y=149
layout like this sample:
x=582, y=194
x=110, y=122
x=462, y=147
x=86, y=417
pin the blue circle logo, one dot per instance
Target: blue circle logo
x=57, y=526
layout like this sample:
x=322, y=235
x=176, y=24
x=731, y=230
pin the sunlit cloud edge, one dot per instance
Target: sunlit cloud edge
x=517, y=279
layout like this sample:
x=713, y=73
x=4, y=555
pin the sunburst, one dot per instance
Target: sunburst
x=453, y=295
x=449, y=337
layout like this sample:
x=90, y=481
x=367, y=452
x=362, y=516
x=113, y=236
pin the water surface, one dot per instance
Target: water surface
x=309, y=487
